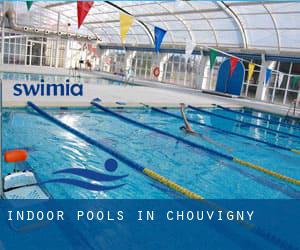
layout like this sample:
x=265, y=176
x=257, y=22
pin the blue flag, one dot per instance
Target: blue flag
x=159, y=34
x=268, y=75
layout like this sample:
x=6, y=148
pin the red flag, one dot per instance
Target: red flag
x=83, y=9
x=233, y=62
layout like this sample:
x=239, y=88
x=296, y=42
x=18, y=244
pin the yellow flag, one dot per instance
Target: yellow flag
x=125, y=23
x=250, y=71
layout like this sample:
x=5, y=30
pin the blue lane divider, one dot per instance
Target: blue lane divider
x=257, y=117
x=247, y=123
x=221, y=130
x=142, y=125
x=151, y=174
x=285, y=118
x=108, y=150
x=195, y=145
x=143, y=170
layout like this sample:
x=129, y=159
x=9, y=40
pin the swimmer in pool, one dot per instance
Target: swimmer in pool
x=188, y=129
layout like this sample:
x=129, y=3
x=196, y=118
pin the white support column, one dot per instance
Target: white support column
x=161, y=67
x=2, y=42
x=298, y=99
x=261, y=89
x=57, y=41
x=203, y=77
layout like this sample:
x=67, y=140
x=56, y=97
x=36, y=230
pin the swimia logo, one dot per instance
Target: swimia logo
x=93, y=179
x=48, y=89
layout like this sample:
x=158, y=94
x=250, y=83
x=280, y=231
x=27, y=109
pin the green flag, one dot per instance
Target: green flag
x=295, y=80
x=212, y=56
x=29, y=4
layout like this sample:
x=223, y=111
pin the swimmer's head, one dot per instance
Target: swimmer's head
x=182, y=128
x=182, y=105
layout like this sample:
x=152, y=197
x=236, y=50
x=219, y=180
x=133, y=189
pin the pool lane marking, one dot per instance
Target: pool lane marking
x=155, y=176
x=136, y=166
x=257, y=117
x=171, y=184
x=195, y=145
x=267, y=171
x=145, y=126
x=296, y=151
x=248, y=123
x=224, y=131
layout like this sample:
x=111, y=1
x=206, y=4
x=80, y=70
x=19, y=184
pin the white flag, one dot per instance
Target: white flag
x=189, y=48
x=280, y=79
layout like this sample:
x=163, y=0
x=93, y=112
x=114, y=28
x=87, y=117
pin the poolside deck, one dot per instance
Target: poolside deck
x=110, y=94
x=147, y=92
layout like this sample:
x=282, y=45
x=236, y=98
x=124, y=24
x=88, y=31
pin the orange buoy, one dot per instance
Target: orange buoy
x=15, y=155
x=156, y=71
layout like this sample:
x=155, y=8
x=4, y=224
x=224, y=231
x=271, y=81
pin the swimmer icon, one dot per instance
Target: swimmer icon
x=110, y=165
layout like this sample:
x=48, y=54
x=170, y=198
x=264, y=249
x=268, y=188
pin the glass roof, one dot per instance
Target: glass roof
x=266, y=25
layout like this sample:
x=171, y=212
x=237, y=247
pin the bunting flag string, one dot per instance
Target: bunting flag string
x=83, y=8
x=212, y=57
x=294, y=82
x=29, y=4
x=125, y=23
x=233, y=63
x=159, y=35
x=251, y=67
x=280, y=79
x=268, y=76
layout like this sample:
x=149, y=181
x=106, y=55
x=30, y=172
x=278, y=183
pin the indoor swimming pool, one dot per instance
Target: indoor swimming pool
x=52, y=148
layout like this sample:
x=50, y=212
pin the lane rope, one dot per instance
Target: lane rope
x=248, y=123
x=257, y=117
x=155, y=176
x=136, y=166
x=224, y=131
x=145, y=126
x=195, y=145
x=269, y=172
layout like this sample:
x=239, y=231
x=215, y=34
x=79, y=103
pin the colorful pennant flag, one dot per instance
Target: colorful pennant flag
x=280, y=79
x=29, y=4
x=189, y=48
x=83, y=8
x=251, y=67
x=125, y=23
x=295, y=80
x=159, y=35
x=233, y=63
x=212, y=57
x=268, y=76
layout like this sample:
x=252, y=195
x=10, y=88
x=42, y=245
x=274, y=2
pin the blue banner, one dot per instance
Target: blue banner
x=149, y=224
x=268, y=75
x=159, y=34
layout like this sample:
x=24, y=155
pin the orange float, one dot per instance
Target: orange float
x=15, y=155
x=156, y=71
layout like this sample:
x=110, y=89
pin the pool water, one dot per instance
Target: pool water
x=52, y=148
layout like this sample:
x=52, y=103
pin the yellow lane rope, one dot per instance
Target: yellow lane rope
x=172, y=184
x=296, y=151
x=266, y=171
